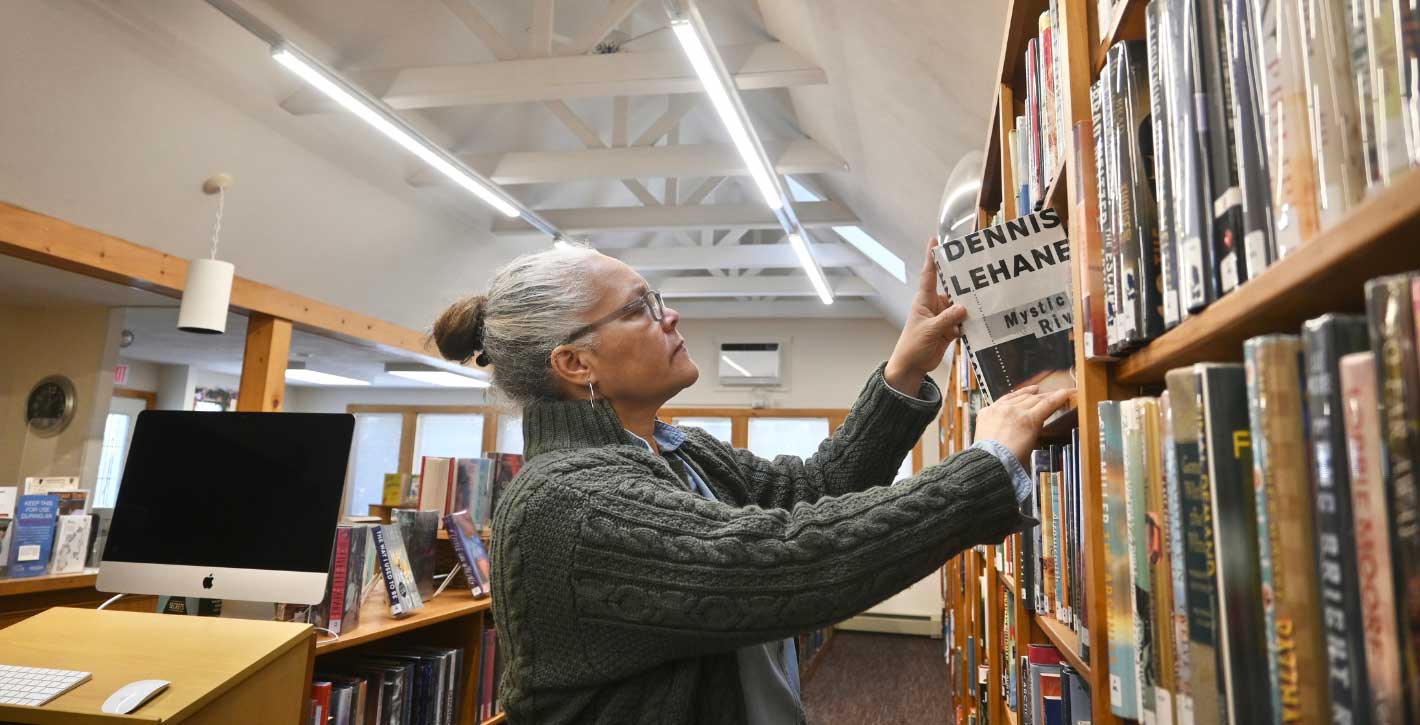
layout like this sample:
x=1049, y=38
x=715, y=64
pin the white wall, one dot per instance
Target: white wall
x=142, y=375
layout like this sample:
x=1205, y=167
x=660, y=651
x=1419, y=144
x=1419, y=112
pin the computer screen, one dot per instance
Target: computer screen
x=231, y=490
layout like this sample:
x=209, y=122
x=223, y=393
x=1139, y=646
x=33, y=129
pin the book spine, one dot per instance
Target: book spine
x=1392, y=325
x=1221, y=144
x=1324, y=341
x=1200, y=549
x=1408, y=41
x=1156, y=544
x=1143, y=224
x=1163, y=174
x=1198, y=276
x=1121, y=170
x=1333, y=111
x=1177, y=625
x=1097, y=130
x=1248, y=126
x=1356, y=29
x=1295, y=652
x=1368, y=500
x=1135, y=478
x=339, y=574
x=1385, y=72
x=465, y=560
x=1242, y=644
x=1288, y=130
x=387, y=570
x=1123, y=681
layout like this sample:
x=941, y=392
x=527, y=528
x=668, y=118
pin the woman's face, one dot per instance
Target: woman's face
x=638, y=359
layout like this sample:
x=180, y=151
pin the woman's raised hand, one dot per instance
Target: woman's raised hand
x=932, y=323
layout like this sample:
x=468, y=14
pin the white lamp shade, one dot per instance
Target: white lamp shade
x=205, y=296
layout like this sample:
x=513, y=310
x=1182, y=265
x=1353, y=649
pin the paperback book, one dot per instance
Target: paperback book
x=1014, y=281
x=396, y=570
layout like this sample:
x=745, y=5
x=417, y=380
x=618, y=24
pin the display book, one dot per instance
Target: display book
x=1204, y=134
x=1013, y=278
x=445, y=485
x=1296, y=533
x=48, y=527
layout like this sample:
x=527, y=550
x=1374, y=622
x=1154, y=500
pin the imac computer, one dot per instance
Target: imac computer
x=237, y=506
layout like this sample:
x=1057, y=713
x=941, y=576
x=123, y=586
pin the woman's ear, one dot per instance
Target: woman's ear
x=570, y=366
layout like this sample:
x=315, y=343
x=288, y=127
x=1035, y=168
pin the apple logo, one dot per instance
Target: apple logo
x=207, y=582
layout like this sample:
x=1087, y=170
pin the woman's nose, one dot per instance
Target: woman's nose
x=670, y=318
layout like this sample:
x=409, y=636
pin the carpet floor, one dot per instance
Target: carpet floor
x=878, y=679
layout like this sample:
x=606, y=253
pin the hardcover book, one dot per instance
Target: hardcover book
x=1356, y=29
x=71, y=544
x=1177, y=625
x=1014, y=281
x=1325, y=340
x=1220, y=143
x=1392, y=326
x=1119, y=594
x=472, y=488
x=1334, y=111
x=394, y=566
x=1373, y=553
x=1200, y=552
x=420, y=531
x=1290, y=592
x=505, y=468
x=1249, y=121
x=1134, y=213
x=33, y=534
x=1384, y=68
x=1193, y=199
x=1288, y=131
x=1132, y=415
x=436, y=484
x=1156, y=542
x=1157, y=18
x=463, y=534
x=1227, y=454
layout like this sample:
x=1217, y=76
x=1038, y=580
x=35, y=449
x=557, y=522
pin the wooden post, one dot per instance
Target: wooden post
x=263, y=386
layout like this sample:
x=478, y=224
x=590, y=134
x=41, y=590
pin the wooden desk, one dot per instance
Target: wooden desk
x=222, y=670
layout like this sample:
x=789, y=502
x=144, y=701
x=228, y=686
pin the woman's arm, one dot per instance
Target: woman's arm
x=701, y=576
x=866, y=451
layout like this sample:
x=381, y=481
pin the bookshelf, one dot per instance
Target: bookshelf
x=1375, y=238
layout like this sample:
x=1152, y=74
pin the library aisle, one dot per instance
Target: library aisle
x=904, y=686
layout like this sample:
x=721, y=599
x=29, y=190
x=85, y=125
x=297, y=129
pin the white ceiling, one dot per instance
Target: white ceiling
x=116, y=110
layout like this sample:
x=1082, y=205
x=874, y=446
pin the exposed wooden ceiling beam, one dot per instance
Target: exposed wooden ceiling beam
x=775, y=309
x=733, y=256
x=595, y=220
x=761, y=286
x=801, y=156
x=757, y=66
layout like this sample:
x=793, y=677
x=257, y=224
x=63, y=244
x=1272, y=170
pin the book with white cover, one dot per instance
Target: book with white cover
x=1014, y=281
x=71, y=544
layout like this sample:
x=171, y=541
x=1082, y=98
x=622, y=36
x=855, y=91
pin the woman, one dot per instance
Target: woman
x=645, y=573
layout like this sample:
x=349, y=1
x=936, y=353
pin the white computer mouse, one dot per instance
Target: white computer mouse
x=131, y=696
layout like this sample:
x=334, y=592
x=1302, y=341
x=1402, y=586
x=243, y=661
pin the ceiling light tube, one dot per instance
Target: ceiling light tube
x=705, y=60
x=369, y=110
x=299, y=372
x=801, y=250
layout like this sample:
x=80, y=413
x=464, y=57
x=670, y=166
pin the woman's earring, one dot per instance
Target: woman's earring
x=593, y=400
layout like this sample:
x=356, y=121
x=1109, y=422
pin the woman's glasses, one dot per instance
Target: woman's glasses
x=651, y=301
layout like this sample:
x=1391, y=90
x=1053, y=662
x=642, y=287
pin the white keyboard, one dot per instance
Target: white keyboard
x=34, y=686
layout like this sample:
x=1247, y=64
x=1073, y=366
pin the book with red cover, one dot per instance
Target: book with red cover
x=320, y=702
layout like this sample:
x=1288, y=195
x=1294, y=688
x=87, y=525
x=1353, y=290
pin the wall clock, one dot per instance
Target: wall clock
x=50, y=406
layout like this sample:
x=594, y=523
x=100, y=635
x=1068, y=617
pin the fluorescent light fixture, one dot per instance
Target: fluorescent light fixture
x=875, y=251
x=801, y=250
x=331, y=85
x=738, y=367
x=434, y=376
x=717, y=85
x=298, y=372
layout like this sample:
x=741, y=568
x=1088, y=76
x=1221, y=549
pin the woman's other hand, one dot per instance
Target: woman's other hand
x=1014, y=421
x=932, y=323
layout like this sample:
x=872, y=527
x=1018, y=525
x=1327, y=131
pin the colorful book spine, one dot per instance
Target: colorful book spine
x=1156, y=544
x=339, y=578
x=1178, y=578
x=1291, y=602
x=1373, y=554
x=1135, y=485
x=1123, y=680
x=1200, y=550
x=1393, y=339
x=1325, y=340
x=1288, y=130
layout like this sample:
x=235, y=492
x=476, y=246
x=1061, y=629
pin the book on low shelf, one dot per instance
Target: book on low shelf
x=1123, y=675
x=1133, y=414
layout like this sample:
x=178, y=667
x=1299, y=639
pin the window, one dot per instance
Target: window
x=719, y=427
x=374, y=453
x=449, y=435
x=111, y=458
x=770, y=437
x=510, y=434
x=905, y=470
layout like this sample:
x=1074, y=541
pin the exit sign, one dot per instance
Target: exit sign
x=120, y=375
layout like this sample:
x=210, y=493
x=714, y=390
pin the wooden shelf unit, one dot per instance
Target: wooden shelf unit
x=1327, y=274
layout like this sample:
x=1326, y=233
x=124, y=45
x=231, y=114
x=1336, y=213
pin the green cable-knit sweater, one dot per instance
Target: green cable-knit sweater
x=622, y=597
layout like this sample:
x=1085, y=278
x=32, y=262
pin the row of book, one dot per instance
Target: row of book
x=1234, y=134
x=445, y=485
x=50, y=528
x=398, y=558
x=1052, y=573
x=1036, y=141
x=1262, y=528
x=1051, y=691
x=402, y=685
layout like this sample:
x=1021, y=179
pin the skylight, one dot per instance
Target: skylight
x=863, y=241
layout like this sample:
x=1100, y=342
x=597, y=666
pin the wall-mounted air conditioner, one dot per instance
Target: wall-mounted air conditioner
x=745, y=364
